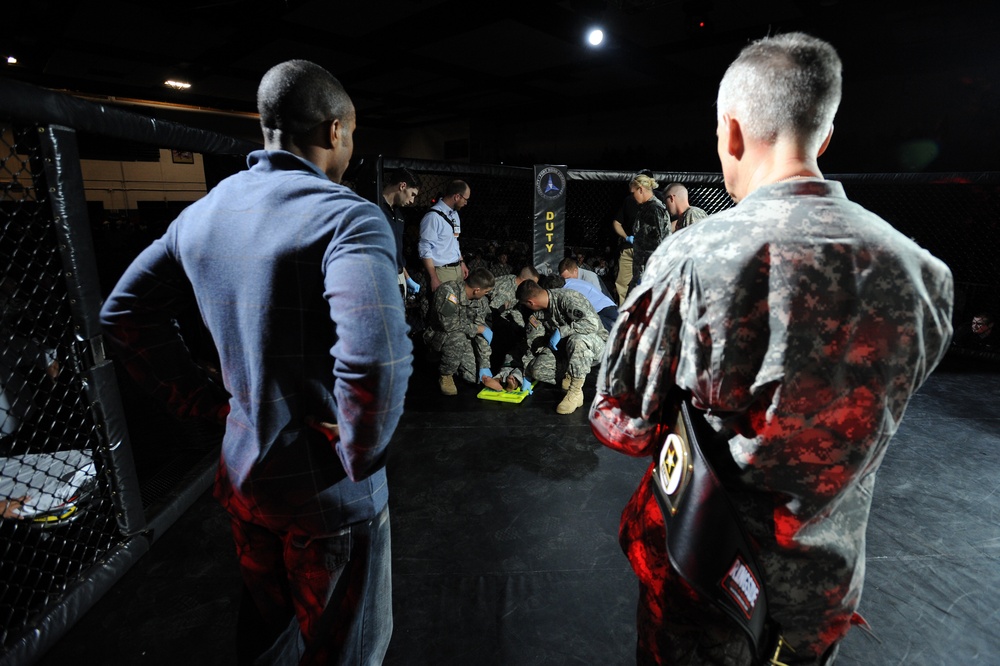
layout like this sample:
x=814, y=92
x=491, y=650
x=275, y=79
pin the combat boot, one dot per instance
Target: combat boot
x=447, y=384
x=565, y=382
x=574, y=397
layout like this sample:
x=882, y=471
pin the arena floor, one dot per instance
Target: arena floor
x=504, y=523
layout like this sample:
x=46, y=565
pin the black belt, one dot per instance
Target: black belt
x=706, y=541
x=451, y=265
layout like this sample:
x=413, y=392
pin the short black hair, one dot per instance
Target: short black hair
x=552, y=281
x=527, y=289
x=481, y=278
x=528, y=273
x=297, y=95
x=402, y=175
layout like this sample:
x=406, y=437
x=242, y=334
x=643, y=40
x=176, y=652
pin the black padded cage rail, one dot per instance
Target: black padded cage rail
x=77, y=508
x=955, y=216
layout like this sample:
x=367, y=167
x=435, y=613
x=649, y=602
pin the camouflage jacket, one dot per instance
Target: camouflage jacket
x=652, y=224
x=803, y=323
x=503, y=299
x=452, y=311
x=689, y=217
x=570, y=312
x=503, y=296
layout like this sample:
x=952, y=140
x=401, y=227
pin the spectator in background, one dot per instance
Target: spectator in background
x=501, y=266
x=978, y=335
x=475, y=259
x=682, y=213
x=601, y=268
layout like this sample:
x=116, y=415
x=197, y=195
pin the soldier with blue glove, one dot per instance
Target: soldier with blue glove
x=563, y=330
x=457, y=332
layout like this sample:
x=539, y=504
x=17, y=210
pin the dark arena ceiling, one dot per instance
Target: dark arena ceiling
x=518, y=73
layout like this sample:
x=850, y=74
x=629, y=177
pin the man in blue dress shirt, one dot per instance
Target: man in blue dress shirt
x=439, y=231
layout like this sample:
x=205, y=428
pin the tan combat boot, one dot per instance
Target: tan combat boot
x=565, y=382
x=574, y=397
x=447, y=384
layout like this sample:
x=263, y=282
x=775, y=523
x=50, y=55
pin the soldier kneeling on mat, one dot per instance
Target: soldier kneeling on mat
x=563, y=328
x=457, y=332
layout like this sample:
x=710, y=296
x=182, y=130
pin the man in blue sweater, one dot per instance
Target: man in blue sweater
x=314, y=369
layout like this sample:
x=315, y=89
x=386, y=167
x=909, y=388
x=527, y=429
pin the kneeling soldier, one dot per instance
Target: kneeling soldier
x=563, y=321
x=457, y=332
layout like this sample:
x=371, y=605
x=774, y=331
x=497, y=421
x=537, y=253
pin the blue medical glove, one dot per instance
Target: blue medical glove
x=630, y=239
x=488, y=334
x=484, y=372
x=554, y=340
x=412, y=284
x=526, y=385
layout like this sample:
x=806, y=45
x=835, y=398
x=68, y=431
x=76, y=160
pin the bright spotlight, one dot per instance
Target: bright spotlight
x=595, y=37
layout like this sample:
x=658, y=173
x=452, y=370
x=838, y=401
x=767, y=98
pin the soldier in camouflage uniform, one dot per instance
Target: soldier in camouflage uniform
x=507, y=321
x=802, y=324
x=503, y=299
x=457, y=331
x=681, y=212
x=562, y=319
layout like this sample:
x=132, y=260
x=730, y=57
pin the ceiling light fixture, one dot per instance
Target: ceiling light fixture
x=595, y=37
x=11, y=60
x=177, y=85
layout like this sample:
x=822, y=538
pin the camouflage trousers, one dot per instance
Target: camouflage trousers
x=577, y=353
x=509, y=371
x=675, y=630
x=457, y=354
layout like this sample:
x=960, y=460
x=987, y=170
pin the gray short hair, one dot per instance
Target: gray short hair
x=786, y=85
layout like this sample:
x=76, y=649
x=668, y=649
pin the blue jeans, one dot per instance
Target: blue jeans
x=320, y=599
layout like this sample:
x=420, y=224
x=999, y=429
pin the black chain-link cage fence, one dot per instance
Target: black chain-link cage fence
x=58, y=517
x=76, y=508
x=954, y=216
